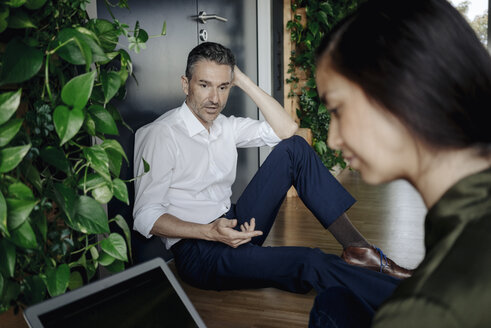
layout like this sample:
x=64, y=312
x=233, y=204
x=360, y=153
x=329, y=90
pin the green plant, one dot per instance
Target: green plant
x=59, y=71
x=321, y=16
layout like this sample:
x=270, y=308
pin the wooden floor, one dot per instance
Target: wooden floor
x=390, y=216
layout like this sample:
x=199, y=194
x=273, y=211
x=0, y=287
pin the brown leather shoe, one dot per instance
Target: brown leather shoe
x=372, y=258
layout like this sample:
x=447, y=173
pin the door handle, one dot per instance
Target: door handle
x=203, y=17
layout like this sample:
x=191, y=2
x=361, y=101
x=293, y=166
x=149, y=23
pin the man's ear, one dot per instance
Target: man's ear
x=185, y=84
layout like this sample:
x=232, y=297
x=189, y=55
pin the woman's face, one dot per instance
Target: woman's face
x=372, y=140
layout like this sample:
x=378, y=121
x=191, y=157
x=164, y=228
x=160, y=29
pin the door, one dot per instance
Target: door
x=158, y=70
x=239, y=34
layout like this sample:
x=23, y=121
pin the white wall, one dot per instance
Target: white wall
x=265, y=56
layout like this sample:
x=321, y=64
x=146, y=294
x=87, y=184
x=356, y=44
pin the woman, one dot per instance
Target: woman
x=408, y=85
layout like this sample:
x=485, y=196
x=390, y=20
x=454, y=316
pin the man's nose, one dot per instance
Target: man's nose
x=213, y=96
x=334, y=139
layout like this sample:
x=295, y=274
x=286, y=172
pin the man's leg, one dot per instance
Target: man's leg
x=294, y=162
x=212, y=265
x=338, y=307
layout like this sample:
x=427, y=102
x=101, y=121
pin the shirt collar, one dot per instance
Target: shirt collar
x=193, y=125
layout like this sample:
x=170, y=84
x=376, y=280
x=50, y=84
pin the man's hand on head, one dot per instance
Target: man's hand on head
x=239, y=77
x=222, y=230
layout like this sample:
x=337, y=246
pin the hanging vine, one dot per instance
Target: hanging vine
x=312, y=19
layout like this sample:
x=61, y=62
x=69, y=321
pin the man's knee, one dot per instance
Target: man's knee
x=294, y=144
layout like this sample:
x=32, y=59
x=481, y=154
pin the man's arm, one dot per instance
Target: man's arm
x=283, y=125
x=220, y=230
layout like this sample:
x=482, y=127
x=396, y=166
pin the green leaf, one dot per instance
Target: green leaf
x=115, y=161
x=20, y=19
x=4, y=15
x=34, y=4
x=7, y=258
x=75, y=49
x=66, y=198
x=99, y=56
x=106, y=32
x=314, y=28
x=20, y=62
x=120, y=191
x=20, y=191
x=104, y=122
x=320, y=147
x=75, y=280
x=115, y=246
x=126, y=60
x=90, y=217
x=1, y=284
x=97, y=159
x=32, y=175
x=137, y=41
x=24, y=236
x=15, y=3
x=121, y=222
x=146, y=166
x=105, y=259
x=116, y=266
x=111, y=144
x=11, y=290
x=57, y=279
x=55, y=157
x=9, y=102
x=11, y=157
x=111, y=82
x=93, y=180
x=9, y=130
x=34, y=290
x=94, y=253
x=3, y=215
x=89, y=125
x=164, y=28
x=323, y=18
x=102, y=194
x=67, y=122
x=18, y=211
x=77, y=91
x=322, y=109
x=40, y=221
x=141, y=35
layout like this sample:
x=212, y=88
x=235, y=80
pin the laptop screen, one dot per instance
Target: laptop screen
x=142, y=296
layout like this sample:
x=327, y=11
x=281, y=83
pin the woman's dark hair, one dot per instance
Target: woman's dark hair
x=421, y=61
x=209, y=51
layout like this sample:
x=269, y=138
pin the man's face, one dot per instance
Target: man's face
x=207, y=91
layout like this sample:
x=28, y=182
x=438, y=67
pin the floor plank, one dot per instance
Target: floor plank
x=390, y=216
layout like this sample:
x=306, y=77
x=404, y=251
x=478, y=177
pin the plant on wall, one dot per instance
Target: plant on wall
x=59, y=71
x=320, y=16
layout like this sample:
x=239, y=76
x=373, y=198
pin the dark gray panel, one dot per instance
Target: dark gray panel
x=158, y=68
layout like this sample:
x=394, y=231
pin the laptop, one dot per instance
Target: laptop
x=145, y=295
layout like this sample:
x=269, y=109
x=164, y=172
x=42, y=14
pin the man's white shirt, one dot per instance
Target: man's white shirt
x=191, y=170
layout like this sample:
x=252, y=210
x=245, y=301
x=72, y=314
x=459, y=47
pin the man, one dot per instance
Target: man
x=185, y=198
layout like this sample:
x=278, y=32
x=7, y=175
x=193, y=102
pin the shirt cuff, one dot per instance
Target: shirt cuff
x=268, y=135
x=145, y=220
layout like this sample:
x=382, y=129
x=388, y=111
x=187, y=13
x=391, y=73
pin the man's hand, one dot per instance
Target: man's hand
x=239, y=77
x=222, y=230
x=282, y=123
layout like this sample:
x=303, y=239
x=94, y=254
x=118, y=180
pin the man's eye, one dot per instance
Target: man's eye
x=203, y=85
